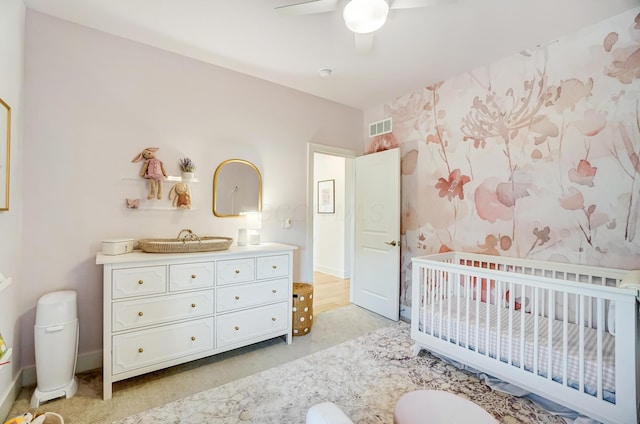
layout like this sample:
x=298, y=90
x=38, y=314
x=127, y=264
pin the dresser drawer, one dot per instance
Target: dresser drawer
x=141, y=281
x=246, y=295
x=158, y=310
x=235, y=271
x=144, y=348
x=191, y=276
x=237, y=327
x=272, y=266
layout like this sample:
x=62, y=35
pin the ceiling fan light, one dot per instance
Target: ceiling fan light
x=365, y=16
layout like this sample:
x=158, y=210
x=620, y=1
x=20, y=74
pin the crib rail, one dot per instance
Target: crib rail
x=563, y=331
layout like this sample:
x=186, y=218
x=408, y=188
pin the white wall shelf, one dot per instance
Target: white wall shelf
x=168, y=178
x=171, y=178
x=162, y=208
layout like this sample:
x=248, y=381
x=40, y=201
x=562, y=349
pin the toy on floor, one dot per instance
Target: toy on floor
x=25, y=418
x=152, y=170
x=39, y=418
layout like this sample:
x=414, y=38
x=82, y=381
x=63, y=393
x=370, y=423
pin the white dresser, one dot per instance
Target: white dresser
x=164, y=309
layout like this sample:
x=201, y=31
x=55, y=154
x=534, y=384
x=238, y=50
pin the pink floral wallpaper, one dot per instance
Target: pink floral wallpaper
x=534, y=156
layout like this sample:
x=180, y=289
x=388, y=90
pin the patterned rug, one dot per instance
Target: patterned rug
x=365, y=377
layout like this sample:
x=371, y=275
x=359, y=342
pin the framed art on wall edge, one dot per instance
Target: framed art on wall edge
x=326, y=196
x=5, y=148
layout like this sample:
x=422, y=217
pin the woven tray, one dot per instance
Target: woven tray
x=185, y=244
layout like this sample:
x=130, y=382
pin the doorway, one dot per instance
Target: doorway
x=330, y=229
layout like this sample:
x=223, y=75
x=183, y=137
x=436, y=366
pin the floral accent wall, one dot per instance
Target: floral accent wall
x=534, y=156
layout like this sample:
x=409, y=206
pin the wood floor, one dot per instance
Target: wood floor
x=329, y=292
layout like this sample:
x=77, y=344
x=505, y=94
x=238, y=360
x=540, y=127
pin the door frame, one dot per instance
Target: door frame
x=349, y=175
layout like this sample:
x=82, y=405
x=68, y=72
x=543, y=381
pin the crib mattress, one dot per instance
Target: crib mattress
x=467, y=328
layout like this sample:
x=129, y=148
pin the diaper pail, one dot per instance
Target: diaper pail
x=56, y=345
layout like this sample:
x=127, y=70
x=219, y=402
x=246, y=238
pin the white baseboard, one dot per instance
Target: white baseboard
x=10, y=397
x=340, y=273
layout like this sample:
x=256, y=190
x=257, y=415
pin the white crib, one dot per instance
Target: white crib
x=568, y=333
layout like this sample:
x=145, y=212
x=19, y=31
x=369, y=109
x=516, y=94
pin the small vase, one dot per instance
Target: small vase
x=187, y=175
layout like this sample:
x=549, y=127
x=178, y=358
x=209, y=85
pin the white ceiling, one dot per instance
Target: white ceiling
x=415, y=48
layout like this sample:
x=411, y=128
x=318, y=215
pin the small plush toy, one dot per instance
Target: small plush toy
x=153, y=170
x=132, y=203
x=22, y=419
x=180, y=194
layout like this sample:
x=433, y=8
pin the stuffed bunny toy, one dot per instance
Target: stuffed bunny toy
x=180, y=194
x=153, y=170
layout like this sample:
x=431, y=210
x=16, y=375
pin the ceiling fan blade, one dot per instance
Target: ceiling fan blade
x=308, y=7
x=412, y=4
x=364, y=42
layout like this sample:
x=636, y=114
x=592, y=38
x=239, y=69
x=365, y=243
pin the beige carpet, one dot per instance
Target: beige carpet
x=365, y=377
x=141, y=393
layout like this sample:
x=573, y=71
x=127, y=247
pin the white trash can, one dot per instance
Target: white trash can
x=56, y=346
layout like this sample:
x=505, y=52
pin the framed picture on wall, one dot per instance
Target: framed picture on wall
x=326, y=196
x=5, y=137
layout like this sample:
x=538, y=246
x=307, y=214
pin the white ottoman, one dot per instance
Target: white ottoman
x=438, y=407
x=327, y=413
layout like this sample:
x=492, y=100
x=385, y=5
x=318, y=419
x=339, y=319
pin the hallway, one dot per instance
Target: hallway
x=329, y=292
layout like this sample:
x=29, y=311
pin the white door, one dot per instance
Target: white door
x=377, y=233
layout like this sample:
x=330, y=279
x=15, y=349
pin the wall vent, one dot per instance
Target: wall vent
x=380, y=127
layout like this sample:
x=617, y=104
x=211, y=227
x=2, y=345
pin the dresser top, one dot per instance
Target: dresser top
x=234, y=250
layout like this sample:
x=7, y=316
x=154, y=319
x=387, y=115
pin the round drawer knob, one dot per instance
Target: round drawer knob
x=237, y=271
x=237, y=328
x=193, y=338
x=273, y=319
x=140, y=350
x=140, y=314
x=193, y=305
x=274, y=291
x=193, y=276
x=140, y=282
x=237, y=297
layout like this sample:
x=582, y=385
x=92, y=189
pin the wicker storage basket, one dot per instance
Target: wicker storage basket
x=302, y=308
x=185, y=244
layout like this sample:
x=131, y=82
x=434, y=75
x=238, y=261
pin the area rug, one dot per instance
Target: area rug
x=365, y=377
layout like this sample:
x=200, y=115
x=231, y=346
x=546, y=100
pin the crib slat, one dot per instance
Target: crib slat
x=581, y=343
x=600, y=330
x=457, y=291
x=467, y=309
x=592, y=322
x=487, y=321
x=477, y=315
x=499, y=322
x=565, y=337
x=432, y=276
x=510, y=306
x=536, y=332
x=523, y=333
x=550, y=315
x=447, y=290
x=438, y=298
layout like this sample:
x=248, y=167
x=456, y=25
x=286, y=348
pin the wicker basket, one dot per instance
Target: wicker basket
x=185, y=244
x=302, y=312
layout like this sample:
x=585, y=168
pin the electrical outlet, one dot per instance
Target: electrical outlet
x=287, y=223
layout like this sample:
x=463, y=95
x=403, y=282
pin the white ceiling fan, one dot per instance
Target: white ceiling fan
x=362, y=17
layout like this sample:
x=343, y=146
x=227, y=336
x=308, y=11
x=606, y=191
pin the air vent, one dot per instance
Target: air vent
x=380, y=127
